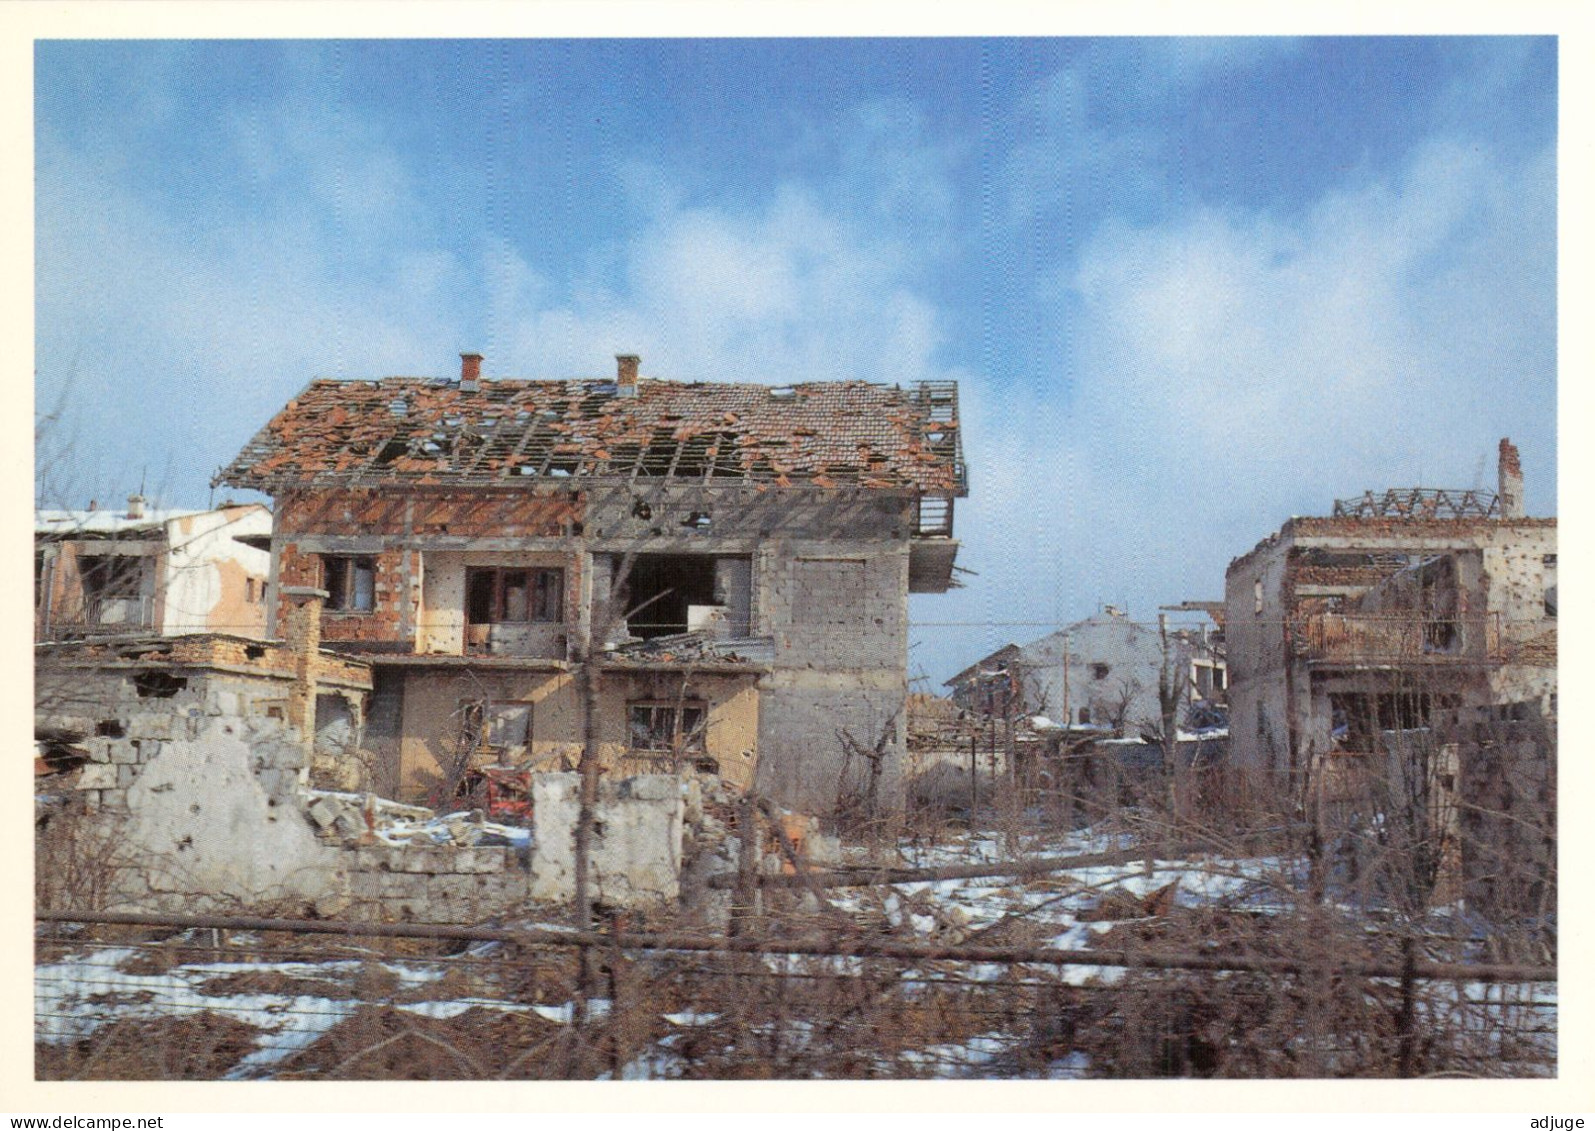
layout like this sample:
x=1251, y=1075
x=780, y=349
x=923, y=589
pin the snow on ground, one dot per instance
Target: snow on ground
x=75, y=996
x=78, y=993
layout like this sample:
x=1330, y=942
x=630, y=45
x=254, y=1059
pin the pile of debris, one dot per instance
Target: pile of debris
x=366, y=819
x=698, y=647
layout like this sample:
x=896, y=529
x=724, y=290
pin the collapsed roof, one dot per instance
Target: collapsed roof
x=406, y=430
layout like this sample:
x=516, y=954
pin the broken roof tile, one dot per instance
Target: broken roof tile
x=343, y=433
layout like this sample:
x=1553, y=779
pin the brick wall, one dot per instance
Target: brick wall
x=521, y=512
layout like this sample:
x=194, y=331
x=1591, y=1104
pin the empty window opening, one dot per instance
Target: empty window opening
x=350, y=582
x=661, y=588
x=514, y=596
x=158, y=685
x=111, y=577
x=254, y=652
x=666, y=727
x=1100, y=671
x=110, y=728
x=1357, y=718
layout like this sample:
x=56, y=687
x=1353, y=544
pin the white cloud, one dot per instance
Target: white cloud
x=1232, y=369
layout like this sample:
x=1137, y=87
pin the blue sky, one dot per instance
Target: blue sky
x=1189, y=287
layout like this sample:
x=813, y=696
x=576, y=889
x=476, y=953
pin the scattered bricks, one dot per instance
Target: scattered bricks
x=97, y=775
x=349, y=826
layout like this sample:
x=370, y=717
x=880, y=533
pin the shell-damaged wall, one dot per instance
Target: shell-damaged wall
x=394, y=529
x=829, y=581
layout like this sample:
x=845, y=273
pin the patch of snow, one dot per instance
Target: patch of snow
x=691, y=1017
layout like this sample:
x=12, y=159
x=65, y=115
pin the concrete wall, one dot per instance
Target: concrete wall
x=826, y=578
x=637, y=845
x=1254, y=612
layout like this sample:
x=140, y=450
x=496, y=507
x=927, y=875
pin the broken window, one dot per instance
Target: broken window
x=500, y=729
x=111, y=577
x=350, y=582
x=514, y=596
x=667, y=727
x=661, y=589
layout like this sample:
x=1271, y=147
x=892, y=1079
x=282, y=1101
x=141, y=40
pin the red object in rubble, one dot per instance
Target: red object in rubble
x=509, y=792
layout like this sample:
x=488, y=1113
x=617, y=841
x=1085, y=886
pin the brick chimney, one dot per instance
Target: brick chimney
x=1510, y=472
x=135, y=506
x=626, y=374
x=470, y=372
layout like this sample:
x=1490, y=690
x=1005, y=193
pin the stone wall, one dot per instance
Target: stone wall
x=435, y=884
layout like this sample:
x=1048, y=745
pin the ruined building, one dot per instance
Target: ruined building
x=1396, y=608
x=1102, y=671
x=733, y=560
x=150, y=572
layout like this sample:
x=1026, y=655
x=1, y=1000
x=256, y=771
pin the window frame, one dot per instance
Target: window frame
x=340, y=580
x=688, y=727
x=544, y=600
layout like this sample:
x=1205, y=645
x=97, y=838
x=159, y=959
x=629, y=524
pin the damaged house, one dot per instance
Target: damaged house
x=1099, y=672
x=1410, y=628
x=144, y=571
x=738, y=555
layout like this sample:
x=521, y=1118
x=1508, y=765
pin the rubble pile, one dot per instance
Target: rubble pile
x=690, y=647
x=366, y=819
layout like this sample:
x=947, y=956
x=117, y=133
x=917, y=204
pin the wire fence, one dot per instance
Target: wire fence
x=205, y=997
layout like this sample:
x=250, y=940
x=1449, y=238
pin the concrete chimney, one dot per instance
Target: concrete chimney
x=1510, y=472
x=626, y=374
x=135, y=506
x=470, y=372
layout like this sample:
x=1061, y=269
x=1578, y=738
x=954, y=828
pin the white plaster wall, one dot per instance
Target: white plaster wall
x=195, y=583
x=208, y=825
x=636, y=858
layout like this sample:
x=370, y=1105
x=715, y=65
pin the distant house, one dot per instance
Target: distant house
x=150, y=572
x=1101, y=671
x=741, y=556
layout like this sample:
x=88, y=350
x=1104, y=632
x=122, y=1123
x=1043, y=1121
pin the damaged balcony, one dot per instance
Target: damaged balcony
x=1361, y=639
x=933, y=549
